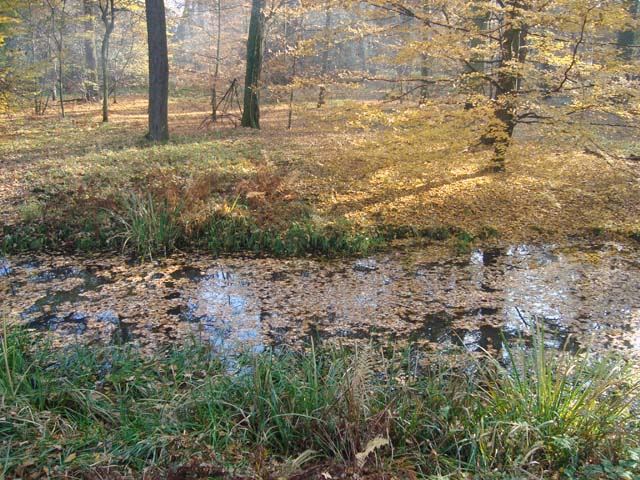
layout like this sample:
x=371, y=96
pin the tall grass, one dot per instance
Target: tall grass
x=551, y=408
x=150, y=226
x=232, y=233
x=537, y=413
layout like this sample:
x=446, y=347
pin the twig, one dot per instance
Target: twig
x=522, y=319
x=574, y=57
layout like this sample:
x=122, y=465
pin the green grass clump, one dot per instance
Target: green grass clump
x=150, y=226
x=24, y=237
x=234, y=233
x=537, y=413
x=556, y=410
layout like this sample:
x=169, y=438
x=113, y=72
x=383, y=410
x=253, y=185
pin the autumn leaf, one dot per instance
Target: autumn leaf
x=372, y=445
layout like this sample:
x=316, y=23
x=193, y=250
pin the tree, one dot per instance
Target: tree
x=27, y=59
x=49, y=49
x=255, y=45
x=8, y=19
x=627, y=37
x=216, y=61
x=508, y=79
x=517, y=62
x=107, y=15
x=58, y=19
x=158, y=71
x=91, y=80
x=126, y=50
x=326, y=47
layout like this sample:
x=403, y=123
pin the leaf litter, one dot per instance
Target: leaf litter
x=585, y=294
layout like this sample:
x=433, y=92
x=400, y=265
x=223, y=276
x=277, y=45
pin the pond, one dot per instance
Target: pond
x=586, y=295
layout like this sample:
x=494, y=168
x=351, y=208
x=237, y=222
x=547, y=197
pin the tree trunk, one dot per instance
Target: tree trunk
x=626, y=38
x=158, y=71
x=293, y=79
x=512, y=49
x=183, y=29
x=57, y=35
x=216, y=72
x=326, y=43
x=114, y=88
x=105, y=77
x=58, y=39
x=108, y=19
x=292, y=28
x=480, y=22
x=255, y=43
x=362, y=53
x=54, y=83
x=91, y=76
x=424, y=60
x=424, y=73
x=60, y=81
x=52, y=76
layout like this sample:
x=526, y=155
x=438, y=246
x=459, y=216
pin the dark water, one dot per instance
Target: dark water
x=584, y=295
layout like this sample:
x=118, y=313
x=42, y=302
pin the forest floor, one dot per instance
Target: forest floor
x=348, y=177
x=77, y=183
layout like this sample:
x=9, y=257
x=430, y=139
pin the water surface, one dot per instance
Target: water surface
x=587, y=294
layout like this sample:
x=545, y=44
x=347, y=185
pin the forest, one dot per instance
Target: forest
x=319, y=239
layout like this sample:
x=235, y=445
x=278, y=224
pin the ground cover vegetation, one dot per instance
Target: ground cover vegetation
x=79, y=185
x=370, y=123
x=328, y=412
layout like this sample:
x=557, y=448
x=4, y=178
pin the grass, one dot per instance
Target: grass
x=94, y=411
x=236, y=233
x=558, y=410
x=149, y=226
x=150, y=201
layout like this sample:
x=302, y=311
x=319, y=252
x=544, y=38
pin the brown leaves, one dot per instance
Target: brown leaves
x=256, y=301
x=196, y=470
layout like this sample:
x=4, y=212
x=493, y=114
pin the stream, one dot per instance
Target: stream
x=586, y=295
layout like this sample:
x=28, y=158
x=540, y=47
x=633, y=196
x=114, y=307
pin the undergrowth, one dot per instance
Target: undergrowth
x=536, y=413
x=195, y=193
x=147, y=226
x=70, y=180
x=230, y=233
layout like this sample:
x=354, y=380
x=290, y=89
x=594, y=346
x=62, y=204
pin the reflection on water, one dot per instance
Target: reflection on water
x=5, y=267
x=584, y=294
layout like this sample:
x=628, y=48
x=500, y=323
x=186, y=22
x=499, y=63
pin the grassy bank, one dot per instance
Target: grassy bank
x=111, y=412
x=334, y=184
